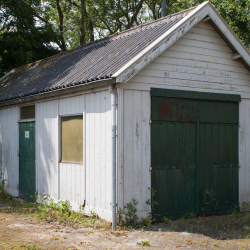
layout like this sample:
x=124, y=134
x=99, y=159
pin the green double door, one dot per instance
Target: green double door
x=194, y=153
x=27, y=175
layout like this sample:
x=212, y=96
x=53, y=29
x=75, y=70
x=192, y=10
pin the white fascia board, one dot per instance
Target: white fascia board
x=172, y=35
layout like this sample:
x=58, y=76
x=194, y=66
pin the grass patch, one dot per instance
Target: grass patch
x=144, y=243
x=4, y=196
x=61, y=212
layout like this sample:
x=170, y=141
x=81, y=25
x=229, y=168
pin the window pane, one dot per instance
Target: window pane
x=72, y=139
x=27, y=112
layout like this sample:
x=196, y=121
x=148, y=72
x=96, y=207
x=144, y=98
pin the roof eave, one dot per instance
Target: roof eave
x=55, y=93
x=176, y=32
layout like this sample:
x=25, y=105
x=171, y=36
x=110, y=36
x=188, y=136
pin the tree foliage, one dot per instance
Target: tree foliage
x=33, y=29
x=23, y=37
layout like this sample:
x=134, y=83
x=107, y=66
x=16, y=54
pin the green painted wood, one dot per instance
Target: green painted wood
x=186, y=110
x=194, y=95
x=27, y=175
x=194, y=156
x=218, y=168
x=173, y=169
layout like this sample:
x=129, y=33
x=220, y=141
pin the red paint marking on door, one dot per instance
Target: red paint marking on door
x=165, y=109
x=178, y=116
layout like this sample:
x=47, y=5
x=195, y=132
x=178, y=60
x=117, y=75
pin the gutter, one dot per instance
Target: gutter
x=113, y=93
x=53, y=93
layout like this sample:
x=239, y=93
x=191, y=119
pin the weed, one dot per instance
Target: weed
x=147, y=222
x=3, y=194
x=131, y=217
x=61, y=211
x=165, y=220
x=209, y=202
x=143, y=243
x=31, y=247
x=120, y=217
x=151, y=202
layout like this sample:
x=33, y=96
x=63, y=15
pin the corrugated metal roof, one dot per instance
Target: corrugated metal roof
x=90, y=62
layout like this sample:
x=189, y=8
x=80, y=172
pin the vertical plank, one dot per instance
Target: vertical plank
x=137, y=149
x=244, y=176
x=103, y=150
x=128, y=147
x=146, y=153
x=108, y=181
x=120, y=156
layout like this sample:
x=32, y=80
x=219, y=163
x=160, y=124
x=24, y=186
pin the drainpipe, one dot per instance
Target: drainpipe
x=113, y=110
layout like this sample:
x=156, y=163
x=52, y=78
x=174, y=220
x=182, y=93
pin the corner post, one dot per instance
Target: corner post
x=112, y=91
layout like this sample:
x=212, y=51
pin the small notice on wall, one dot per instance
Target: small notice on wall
x=27, y=134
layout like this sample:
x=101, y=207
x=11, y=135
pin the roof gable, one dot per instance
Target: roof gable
x=202, y=11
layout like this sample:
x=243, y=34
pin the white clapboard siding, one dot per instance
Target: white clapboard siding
x=189, y=58
x=71, y=176
x=66, y=181
x=199, y=61
x=71, y=105
x=9, y=148
x=98, y=151
x=47, y=148
x=244, y=151
x=71, y=182
x=136, y=147
x=195, y=63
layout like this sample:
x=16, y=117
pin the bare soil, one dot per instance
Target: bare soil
x=22, y=231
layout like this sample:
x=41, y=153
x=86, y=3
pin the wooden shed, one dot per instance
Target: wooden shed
x=162, y=107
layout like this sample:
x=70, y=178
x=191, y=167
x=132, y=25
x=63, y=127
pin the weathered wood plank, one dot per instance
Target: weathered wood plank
x=203, y=48
x=181, y=53
x=202, y=38
x=199, y=62
x=198, y=70
x=165, y=75
x=206, y=32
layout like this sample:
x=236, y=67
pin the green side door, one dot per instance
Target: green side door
x=194, y=153
x=27, y=174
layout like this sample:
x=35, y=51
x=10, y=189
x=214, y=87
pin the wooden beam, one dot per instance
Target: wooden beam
x=236, y=56
x=206, y=19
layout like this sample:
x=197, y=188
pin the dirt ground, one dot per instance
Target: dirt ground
x=20, y=231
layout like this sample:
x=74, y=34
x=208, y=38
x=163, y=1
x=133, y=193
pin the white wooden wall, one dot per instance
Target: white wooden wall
x=199, y=61
x=47, y=148
x=66, y=181
x=98, y=152
x=71, y=176
x=9, y=149
x=134, y=149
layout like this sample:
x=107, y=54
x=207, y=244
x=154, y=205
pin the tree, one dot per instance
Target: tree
x=24, y=38
x=29, y=28
x=235, y=12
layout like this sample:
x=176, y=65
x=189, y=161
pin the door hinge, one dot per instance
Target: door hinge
x=150, y=168
x=150, y=121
